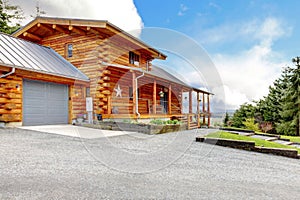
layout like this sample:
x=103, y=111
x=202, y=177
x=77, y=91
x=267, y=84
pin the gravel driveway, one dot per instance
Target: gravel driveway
x=37, y=165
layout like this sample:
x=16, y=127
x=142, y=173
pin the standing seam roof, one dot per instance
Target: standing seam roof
x=18, y=53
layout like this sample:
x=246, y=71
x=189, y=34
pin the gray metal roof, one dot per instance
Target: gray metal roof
x=161, y=73
x=18, y=53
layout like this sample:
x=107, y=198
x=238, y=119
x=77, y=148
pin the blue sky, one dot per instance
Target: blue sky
x=195, y=16
x=249, y=41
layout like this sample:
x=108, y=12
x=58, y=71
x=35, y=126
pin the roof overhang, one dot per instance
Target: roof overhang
x=42, y=72
x=202, y=91
x=45, y=26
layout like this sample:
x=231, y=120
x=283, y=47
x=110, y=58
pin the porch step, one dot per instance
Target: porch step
x=193, y=126
x=160, y=109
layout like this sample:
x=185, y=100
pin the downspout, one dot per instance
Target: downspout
x=136, y=96
x=9, y=73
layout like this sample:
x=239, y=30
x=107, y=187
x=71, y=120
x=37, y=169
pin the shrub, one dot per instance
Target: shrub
x=250, y=124
x=157, y=121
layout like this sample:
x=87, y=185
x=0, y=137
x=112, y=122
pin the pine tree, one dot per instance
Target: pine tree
x=290, y=113
x=9, y=13
x=226, y=119
x=245, y=111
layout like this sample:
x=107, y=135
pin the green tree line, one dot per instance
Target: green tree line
x=279, y=111
x=9, y=17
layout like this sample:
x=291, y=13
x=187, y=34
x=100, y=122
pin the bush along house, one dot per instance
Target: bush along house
x=112, y=67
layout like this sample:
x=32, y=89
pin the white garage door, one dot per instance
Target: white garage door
x=44, y=103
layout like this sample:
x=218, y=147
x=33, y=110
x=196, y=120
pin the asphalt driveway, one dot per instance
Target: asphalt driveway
x=35, y=165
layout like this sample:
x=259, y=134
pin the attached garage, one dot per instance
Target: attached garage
x=37, y=85
x=44, y=103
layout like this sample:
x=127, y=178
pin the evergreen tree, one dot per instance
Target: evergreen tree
x=244, y=112
x=280, y=108
x=290, y=113
x=270, y=106
x=8, y=14
x=226, y=119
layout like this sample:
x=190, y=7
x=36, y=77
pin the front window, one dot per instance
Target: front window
x=87, y=92
x=131, y=93
x=134, y=59
x=69, y=50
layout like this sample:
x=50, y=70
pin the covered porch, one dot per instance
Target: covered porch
x=155, y=94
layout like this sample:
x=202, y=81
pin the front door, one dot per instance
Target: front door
x=164, y=102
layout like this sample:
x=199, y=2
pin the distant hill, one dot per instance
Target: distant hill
x=222, y=114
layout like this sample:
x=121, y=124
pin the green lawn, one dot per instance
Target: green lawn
x=258, y=142
x=292, y=138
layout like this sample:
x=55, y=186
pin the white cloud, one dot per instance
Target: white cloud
x=182, y=10
x=214, y=5
x=122, y=13
x=233, y=97
x=265, y=31
x=247, y=74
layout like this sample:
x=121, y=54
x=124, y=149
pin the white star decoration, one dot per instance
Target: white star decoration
x=118, y=91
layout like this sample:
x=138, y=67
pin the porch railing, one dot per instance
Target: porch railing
x=124, y=105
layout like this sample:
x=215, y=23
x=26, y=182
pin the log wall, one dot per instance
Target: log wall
x=11, y=99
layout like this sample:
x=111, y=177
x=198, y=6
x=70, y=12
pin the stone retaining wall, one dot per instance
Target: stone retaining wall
x=238, y=130
x=142, y=128
x=248, y=145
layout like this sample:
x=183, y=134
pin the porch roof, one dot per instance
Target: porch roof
x=161, y=73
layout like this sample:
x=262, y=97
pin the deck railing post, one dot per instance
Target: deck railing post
x=190, y=102
x=188, y=121
x=170, y=100
x=198, y=120
x=154, y=97
x=203, y=107
x=208, y=111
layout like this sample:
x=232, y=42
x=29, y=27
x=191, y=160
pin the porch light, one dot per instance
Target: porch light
x=18, y=87
x=161, y=93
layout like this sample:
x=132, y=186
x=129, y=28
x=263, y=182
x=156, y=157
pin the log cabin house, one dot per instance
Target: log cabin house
x=122, y=81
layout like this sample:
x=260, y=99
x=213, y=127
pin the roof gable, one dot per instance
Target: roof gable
x=42, y=27
x=18, y=53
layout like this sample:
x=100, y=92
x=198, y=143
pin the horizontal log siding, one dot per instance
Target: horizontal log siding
x=11, y=99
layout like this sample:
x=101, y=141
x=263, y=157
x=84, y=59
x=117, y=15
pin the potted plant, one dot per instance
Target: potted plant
x=80, y=118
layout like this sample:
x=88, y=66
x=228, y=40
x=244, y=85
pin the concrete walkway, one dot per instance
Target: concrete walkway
x=75, y=131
